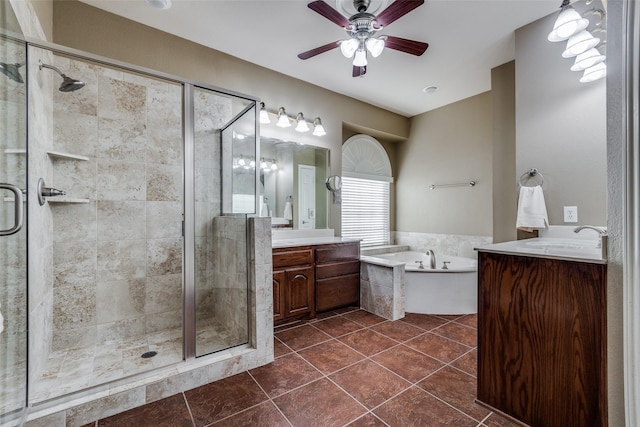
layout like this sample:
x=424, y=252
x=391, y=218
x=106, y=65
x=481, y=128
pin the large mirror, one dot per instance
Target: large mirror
x=292, y=184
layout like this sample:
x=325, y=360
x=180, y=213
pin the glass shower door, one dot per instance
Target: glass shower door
x=13, y=232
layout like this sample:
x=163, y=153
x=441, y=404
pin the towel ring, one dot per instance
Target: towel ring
x=525, y=177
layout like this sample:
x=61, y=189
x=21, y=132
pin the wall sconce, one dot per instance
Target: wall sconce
x=264, y=116
x=283, y=119
x=302, y=125
x=318, y=129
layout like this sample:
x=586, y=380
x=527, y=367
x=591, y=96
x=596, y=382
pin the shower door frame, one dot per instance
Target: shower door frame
x=188, y=180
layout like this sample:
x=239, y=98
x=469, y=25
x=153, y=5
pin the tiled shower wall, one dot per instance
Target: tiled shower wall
x=117, y=253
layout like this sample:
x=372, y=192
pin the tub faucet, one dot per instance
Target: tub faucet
x=432, y=258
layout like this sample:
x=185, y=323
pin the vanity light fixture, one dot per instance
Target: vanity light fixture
x=241, y=161
x=283, y=119
x=263, y=164
x=302, y=125
x=568, y=23
x=274, y=166
x=318, y=129
x=264, y=116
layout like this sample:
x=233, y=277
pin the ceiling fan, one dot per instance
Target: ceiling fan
x=361, y=29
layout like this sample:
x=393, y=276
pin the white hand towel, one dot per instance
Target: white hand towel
x=532, y=211
x=288, y=211
x=264, y=210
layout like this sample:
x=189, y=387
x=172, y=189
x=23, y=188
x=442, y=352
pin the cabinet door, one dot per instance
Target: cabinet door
x=299, y=292
x=278, y=301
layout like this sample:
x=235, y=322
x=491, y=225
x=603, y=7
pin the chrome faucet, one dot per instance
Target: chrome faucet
x=432, y=258
x=601, y=232
x=602, y=243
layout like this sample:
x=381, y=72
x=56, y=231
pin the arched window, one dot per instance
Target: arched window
x=366, y=175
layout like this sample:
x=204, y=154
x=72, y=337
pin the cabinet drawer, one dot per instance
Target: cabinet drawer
x=339, y=252
x=337, y=292
x=325, y=271
x=289, y=257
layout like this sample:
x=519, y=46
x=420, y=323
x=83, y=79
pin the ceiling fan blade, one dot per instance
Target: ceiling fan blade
x=397, y=10
x=328, y=12
x=405, y=45
x=359, y=71
x=317, y=51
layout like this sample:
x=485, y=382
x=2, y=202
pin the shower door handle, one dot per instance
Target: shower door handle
x=17, y=201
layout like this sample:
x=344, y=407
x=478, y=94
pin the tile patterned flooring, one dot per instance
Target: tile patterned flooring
x=350, y=368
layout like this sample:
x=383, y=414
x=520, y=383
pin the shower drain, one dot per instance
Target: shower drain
x=149, y=354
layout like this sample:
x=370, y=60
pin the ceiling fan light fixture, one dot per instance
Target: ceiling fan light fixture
x=594, y=73
x=375, y=46
x=318, y=129
x=283, y=119
x=568, y=23
x=360, y=59
x=302, y=125
x=587, y=60
x=580, y=43
x=348, y=47
x=160, y=4
x=264, y=116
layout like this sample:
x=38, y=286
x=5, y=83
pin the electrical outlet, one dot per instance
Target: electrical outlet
x=570, y=214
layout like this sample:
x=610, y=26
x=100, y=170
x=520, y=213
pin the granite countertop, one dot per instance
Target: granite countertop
x=561, y=249
x=309, y=241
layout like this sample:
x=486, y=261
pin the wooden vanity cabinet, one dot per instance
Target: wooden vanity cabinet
x=310, y=279
x=293, y=283
x=542, y=339
x=337, y=276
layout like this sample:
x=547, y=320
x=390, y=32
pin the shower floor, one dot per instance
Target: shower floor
x=76, y=369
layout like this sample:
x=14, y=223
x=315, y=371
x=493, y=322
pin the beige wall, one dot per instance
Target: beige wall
x=83, y=27
x=560, y=127
x=449, y=145
x=505, y=195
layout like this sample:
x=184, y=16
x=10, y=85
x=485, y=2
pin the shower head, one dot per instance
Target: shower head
x=68, y=84
x=11, y=71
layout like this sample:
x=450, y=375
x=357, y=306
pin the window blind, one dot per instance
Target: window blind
x=365, y=210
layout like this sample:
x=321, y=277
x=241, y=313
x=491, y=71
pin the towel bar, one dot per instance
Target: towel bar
x=462, y=184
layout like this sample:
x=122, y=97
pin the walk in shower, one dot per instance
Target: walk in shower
x=138, y=248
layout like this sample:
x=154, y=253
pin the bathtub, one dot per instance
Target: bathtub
x=439, y=291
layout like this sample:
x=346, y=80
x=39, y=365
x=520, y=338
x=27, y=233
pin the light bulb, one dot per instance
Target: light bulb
x=580, y=43
x=587, y=60
x=375, y=46
x=568, y=23
x=318, y=129
x=241, y=161
x=274, y=167
x=283, y=119
x=264, y=116
x=263, y=164
x=360, y=59
x=302, y=125
x=594, y=73
x=348, y=47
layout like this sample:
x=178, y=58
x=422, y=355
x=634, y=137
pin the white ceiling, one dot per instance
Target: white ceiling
x=466, y=39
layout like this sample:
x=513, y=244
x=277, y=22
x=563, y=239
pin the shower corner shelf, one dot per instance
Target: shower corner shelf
x=61, y=155
x=66, y=200
x=15, y=151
